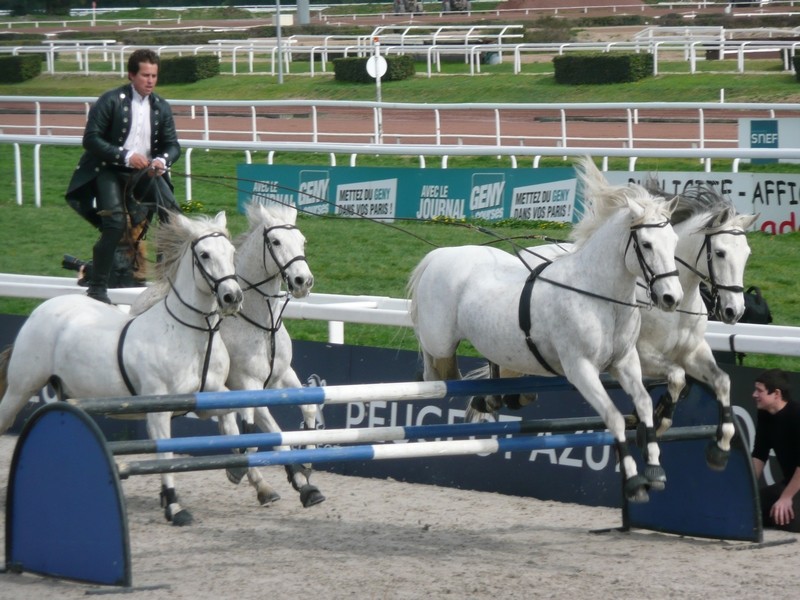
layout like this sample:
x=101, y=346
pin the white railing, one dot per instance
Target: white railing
x=512, y=124
x=101, y=56
x=338, y=310
x=703, y=155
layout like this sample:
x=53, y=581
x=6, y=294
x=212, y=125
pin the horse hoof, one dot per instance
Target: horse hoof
x=236, y=474
x=267, y=498
x=636, y=489
x=716, y=457
x=182, y=517
x=310, y=495
x=478, y=404
x=656, y=477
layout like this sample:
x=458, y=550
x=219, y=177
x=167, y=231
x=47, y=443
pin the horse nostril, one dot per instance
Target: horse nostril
x=668, y=300
x=299, y=282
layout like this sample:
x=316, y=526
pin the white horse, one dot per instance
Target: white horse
x=712, y=249
x=577, y=318
x=89, y=349
x=269, y=254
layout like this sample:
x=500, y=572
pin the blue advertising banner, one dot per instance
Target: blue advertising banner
x=405, y=193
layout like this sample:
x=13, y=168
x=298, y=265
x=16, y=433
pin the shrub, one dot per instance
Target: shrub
x=15, y=69
x=354, y=70
x=188, y=69
x=602, y=67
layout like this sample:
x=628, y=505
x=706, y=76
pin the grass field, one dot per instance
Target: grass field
x=362, y=257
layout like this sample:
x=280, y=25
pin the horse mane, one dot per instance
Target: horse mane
x=699, y=206
x=601, y=200
x=172, y=240
x=259, y=215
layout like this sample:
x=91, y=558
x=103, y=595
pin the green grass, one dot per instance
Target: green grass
x=351, y=257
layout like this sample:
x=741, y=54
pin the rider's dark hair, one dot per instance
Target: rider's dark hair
x=143, y=55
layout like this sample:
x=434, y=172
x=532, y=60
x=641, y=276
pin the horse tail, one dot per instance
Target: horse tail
x=413, y=285
x=5, y=358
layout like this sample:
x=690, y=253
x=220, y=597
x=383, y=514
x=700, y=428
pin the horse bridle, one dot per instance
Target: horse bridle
x=711, y=278
x=525, y=297
x=276, y=316
x=211, y=329
x=648, y=273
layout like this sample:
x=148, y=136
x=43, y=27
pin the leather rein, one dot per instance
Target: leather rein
x=527, y=290
x=275, y=315
x=210, y=328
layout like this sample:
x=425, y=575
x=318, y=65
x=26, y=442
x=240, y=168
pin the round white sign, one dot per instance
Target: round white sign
x=376, y=66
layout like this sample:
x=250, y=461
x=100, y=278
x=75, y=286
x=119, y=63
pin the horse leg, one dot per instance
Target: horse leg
x=158, y=428
x=236, y=474
x=17, y=386
x=298, y=475
x=629, y=374
x=585, y=377
x=516, y=401
x=439, y=369
x=704, y=368
x=228, y=426
x=478, y=406
x=665, y=409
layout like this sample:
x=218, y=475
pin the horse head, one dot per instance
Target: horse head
x=721, y=260
x=200, y=249
x=713, y=248
x=283, y=253
x=654, y=241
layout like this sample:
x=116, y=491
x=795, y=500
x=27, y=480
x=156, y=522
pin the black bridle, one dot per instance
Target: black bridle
x=275, y=313
x=211, y=327
x=525, y=297
x=648, y=273
x=711, y=278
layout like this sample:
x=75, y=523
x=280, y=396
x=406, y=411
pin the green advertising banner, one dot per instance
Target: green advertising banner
x=388, y=193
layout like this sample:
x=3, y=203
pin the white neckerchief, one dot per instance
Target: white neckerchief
x=138, y=139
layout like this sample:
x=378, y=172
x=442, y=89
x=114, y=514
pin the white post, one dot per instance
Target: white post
x=278, y=39
x=377, y=41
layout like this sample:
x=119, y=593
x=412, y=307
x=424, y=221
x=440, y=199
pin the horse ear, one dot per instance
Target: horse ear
x=671, y=205
x=746, y=221
x=221, y=219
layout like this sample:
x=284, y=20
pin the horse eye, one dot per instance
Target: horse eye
x=205, y=255
x=276, y=243
x=647, y=245
x=720, y=253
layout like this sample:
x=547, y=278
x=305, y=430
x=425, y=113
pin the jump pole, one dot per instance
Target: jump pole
x=357, y=435
x=394, y=451
x=325, y=395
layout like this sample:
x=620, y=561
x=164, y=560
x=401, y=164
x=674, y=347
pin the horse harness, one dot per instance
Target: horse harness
x=210, y=328
x=275, y=316
x=527, y=290
x=711, y=278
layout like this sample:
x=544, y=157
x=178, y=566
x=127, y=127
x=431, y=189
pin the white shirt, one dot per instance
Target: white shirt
x=138, y=140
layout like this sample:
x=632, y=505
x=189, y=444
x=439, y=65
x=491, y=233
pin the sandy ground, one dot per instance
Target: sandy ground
x=381, y=539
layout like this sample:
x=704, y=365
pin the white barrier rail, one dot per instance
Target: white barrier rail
x=339, y=309
x=262, y=58
x=704, y=155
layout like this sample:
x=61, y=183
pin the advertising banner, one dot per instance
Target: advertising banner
x=548, y=194
x=404, y=193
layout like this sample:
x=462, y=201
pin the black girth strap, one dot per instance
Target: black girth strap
x=120, y=362
x=525, y=316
